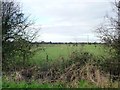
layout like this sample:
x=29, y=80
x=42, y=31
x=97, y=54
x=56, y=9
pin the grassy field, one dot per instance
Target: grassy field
x=53, y=52
x=82, y=84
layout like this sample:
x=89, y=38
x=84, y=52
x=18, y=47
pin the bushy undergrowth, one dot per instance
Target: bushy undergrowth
x=80, y=68
x=111, y=66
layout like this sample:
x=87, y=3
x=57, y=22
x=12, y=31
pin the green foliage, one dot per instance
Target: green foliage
x=16, y=54
x=111, y=66
x=15, y=40
x=86, y=84
x=34, y=84
x=0, y=82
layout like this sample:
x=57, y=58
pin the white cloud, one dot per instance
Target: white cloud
x=63, y=19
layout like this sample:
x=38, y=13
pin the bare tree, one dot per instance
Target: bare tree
x=109, y=31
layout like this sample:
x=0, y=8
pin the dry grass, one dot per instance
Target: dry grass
x=70, y=77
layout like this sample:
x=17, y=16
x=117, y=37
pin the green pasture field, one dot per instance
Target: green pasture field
x=52, y=52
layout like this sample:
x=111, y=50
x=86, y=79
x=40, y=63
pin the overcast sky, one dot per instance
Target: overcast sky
x=67, y=20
